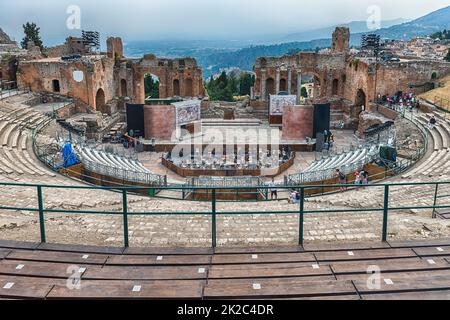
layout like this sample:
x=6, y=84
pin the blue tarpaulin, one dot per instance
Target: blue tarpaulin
x=69, y=156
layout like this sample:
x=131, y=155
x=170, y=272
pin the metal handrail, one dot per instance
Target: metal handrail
x=213, y=213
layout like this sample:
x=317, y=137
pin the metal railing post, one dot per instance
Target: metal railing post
x=41, y=214
x=301, y=216
x=125, y=218
x=435, y=201
x=213, y=219
x=385, y=213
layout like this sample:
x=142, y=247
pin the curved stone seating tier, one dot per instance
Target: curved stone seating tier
x=15, y=157
x=7, y=134
x=437, y=163
x=325, y=169
x=435, y=133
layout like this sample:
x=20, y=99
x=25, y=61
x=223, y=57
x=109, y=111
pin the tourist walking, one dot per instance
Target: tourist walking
x=432, y=123
x=341, y=178
x=273, y=190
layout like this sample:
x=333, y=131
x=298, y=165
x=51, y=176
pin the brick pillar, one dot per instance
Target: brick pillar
x=263, y=84
x=278, y=77
x=289, y=88
x=299, y=85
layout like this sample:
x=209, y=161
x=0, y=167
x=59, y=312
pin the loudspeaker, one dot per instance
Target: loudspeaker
x=135, y=119
x=322, y=118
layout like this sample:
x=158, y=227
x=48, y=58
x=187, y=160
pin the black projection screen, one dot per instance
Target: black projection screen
x=322, y=118
x=135, y=119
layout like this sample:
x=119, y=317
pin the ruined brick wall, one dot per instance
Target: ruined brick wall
x=177, y=77
x=114, y=47
x=159, y=121
x=97, y=72
x=72, y=45
x=326, y=69
x=341, y=40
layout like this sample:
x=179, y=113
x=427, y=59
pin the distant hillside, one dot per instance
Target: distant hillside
x=245, y=58
x=325, y=33
x=426, y=25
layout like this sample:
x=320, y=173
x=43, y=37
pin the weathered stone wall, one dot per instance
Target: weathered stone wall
x=178, y=77
x=97, y=71
x=114, y=47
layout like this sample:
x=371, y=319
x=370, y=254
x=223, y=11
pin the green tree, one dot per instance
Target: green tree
x=304, y=93
x=31, y=32
x=246, y=81
x=151, y=87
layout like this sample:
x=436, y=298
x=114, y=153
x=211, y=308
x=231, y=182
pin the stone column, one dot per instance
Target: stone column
x=263, y=84
x=299, y=85
x=278, y=77
x=289, y=88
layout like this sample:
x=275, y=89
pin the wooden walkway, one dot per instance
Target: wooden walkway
x=409, y=270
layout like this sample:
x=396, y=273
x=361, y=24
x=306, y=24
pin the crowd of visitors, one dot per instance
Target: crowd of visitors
x=402, y=102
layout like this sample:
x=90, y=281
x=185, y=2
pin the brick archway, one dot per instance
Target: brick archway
x=100, y=102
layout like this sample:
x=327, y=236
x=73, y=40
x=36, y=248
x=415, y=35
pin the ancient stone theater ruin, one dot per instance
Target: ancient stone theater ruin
x=320, y=152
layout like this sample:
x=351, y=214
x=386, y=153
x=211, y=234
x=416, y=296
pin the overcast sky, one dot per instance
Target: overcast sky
x=199, y=19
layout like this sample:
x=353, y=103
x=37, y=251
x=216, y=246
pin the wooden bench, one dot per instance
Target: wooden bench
x=23, y=288
x=419, y=243
x=129, y=260
x=438, y=251
x=405, y=265
x=147, y=273
x=131, y=290
x=421, y=295
x=79, y=248
x=262, y=258
x=168, y=251
x=377, y=254
x=409, y=283
x=278, y=289
x=37, y=269
x=248, y=272
x=60, y=257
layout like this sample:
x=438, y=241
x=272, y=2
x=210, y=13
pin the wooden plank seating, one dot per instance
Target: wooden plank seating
x=286, y=289
x=147, y=273
x=4, y=253
x=168, y=251
x=376, y=254
x=37, y=269
x=23, y=289
x=158, y=260
x=79, y=248
x=317, y=247
x=262, y=258
x=287, y=249
x=401, y=265
x=419, y=243
x=61, y=257
x=438, y=251
x=421, y=283
x=133, y=290
x=321, y=271
x=12, y=244
x=421, y=295
x=269, y=272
